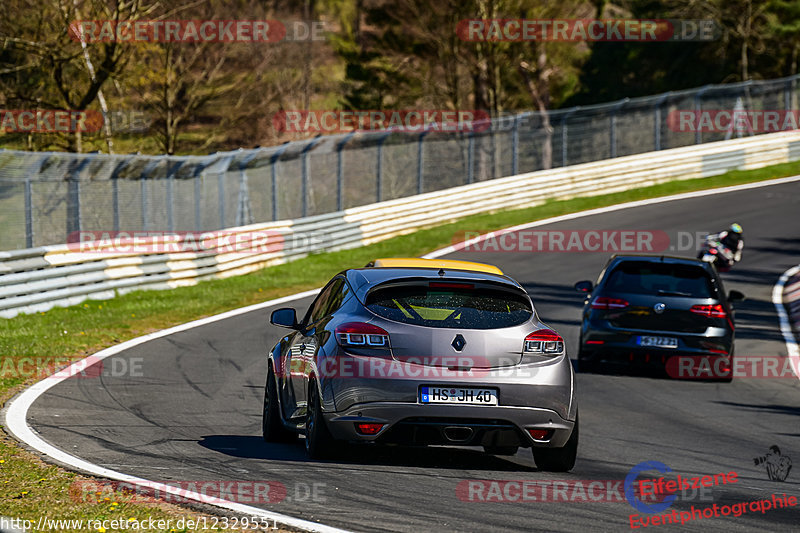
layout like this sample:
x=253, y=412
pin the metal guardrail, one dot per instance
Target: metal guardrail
x=44, y=197
x=37, y=279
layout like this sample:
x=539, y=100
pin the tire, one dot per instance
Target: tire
x=272, y=429
x=501, y=450
x=320, y=444
x=558, y=459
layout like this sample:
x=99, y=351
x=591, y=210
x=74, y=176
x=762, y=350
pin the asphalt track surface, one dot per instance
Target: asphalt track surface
x=194, y=413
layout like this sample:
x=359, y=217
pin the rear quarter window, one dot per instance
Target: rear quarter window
x=640, y=277
x=469, y=306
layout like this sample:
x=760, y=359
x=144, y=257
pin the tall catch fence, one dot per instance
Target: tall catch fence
x=46, y=197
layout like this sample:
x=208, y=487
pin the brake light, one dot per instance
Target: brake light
x=362, y=334
x=539, y=434
x=604, y=302
x=544, y=341
x=368, y=428
x=711, y=311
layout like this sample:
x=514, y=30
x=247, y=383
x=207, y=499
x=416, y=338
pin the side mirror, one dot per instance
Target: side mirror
x=735, y=296
x=285, y=317
x=584, y=286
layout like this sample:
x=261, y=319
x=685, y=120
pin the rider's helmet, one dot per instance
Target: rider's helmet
x=736, y=228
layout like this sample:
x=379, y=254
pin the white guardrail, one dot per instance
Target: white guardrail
x=36, y=279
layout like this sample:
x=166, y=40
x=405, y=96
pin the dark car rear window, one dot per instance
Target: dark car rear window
x=458, y=306
x=641, y=277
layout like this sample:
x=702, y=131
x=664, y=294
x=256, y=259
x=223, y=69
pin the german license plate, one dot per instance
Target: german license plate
x=458, y=395
x=658, y=342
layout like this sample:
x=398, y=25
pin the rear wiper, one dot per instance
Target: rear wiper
x=672, y=293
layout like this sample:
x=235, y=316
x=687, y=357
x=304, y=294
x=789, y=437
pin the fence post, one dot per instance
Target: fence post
x=420, y=159
x=28, y=213
x=74, y=219
x=515, y=146
x=657, y=120
x=304, y=163
x=170, y=194
x=115, y=190
x=698, y=135
x=612, y=141
x=243, y=212
x=471, y=157
x=32, y=172
x=379, y=173
x=198, y=177
x=564, y=129
x=143, y=190
x=273, y=161
x=340, y=171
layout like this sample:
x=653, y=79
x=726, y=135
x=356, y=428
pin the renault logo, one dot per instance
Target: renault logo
x=659, y=308
x=458, y=343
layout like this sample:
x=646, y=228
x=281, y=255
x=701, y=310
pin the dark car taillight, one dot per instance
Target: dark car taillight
x=544, y=342
x=362, y=335
x=604, y=302
x=711, y=311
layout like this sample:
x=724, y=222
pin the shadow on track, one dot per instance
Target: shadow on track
x=253, y=447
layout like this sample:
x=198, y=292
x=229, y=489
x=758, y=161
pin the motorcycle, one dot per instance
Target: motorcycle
x=716, y=253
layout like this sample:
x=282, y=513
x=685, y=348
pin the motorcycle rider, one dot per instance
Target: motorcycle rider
x=732, y=240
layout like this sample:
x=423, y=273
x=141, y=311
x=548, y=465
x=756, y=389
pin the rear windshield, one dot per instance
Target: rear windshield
x=458, y=306
x=660, y=279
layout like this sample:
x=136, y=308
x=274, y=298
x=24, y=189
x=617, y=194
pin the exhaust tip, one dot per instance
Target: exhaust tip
x=458, y=433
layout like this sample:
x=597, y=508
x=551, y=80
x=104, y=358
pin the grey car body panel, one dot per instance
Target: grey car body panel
x=533, y=391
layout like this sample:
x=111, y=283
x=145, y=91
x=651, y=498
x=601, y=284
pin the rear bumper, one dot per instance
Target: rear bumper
x=603, y=344
x=465, y=425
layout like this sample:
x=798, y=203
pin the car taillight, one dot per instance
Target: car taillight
x=362, y=334
x=712, y=311
x=604, y=302
x=368, y=428
x=539, y=434
x=544, y=341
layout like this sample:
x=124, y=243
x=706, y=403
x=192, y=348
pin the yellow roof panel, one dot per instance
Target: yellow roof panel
x=416, y=262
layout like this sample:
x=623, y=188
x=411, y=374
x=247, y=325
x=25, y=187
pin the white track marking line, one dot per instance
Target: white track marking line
x=783, y=319
x=16, y=410
x=608, y=209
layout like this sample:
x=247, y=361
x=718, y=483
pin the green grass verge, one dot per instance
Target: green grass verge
x=32, y=488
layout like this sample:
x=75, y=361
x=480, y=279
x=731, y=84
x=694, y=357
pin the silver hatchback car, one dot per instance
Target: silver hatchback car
x=422, y=352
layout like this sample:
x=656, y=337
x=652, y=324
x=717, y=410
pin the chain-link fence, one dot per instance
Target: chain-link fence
x=46, y=197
